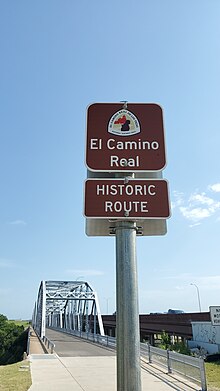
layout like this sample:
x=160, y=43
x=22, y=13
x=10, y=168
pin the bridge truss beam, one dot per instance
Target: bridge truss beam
x=70, y=305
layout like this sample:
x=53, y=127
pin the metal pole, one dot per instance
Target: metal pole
x=198, y=296
x=202, y=374
x=43, y=309
x=127, y=311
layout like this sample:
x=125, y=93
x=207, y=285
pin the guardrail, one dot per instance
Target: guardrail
x=193, y=368
x=28, y=341
x=49, y=344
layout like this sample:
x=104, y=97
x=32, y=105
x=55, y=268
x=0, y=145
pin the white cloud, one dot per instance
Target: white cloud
x=194, y=214
x=17, y=222
x=84, y=272
x=204, y=282
x=180, y=288
x=215, y=187
x=4, y=263
x=203, y=199
x=198, y=206
x=182, y=277
x=194, y=225
x=178, y=199
x=210, y=282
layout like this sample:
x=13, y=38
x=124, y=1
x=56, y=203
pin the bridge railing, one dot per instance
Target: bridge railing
x=192, y=368
x=49, y=344
x=28, y=341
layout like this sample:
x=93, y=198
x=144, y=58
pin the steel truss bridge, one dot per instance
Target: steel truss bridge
x=69, y=305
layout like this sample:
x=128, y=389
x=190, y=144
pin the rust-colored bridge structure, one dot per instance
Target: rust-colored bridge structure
x=176, y=325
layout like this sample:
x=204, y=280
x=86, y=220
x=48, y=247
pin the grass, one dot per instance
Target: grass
x=15, y=378
x=24, y=323
x=213, y=375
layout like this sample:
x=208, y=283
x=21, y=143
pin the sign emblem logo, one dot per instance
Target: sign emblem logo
x=124, y=123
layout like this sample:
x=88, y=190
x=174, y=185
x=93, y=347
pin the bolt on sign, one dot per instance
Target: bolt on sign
x=127, y=139
x=126, y=199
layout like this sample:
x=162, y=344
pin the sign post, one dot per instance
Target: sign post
x=127, y=309
x=121, y=143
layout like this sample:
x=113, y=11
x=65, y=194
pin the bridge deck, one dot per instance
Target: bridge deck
x=79, y=365
x=69, y=346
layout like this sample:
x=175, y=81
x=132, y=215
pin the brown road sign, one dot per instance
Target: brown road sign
x=126, y=199
x=125, y=139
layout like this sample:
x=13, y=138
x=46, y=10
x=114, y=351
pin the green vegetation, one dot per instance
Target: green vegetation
x=14, y=373
x=24, y=323
x=15, y=377
x=213, y=375
x=178, y=347
x=165, y=341
x=212, y=368
x=13, y=341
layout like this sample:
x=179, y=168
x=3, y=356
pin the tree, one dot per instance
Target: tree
x=179, y=347
x=3, y=320
x=166, y=340
x=10, y=334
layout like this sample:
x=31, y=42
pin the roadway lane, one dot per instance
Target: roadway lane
x=68, y=346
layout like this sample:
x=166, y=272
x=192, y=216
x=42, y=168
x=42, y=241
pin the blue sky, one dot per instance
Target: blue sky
x=57, y=57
